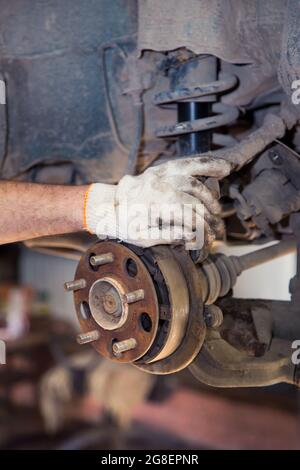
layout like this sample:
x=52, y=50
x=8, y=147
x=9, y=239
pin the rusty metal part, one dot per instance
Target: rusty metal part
x=221, y=365
x=247, y=326
x=122, y=346
x=107, y=303
x=101, y=259
x=213, y=316
x=286, y=321
x=147, y=306
x=195, y=329
x=88, y=337
x=127, y=273
x=243, y=353
x=178, y=298
x=135, y=296
x=75, y=285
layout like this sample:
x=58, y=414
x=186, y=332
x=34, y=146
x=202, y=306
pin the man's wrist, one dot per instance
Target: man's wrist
x=99, y=208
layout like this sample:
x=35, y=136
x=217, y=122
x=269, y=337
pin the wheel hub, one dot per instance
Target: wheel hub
x=107, y=304
x=134, y=305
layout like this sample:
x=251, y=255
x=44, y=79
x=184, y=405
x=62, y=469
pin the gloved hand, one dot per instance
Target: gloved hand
x=163, y=205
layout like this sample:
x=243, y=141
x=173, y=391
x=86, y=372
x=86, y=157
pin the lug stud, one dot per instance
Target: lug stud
x=135, y=296
x=75, y=285
x=99, y=260
x=89, y=337
x=123, y=346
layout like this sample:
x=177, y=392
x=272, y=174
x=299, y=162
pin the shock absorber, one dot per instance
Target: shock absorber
x=194, y=89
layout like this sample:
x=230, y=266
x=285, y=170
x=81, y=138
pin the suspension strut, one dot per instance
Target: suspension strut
x=187, y=110
x=194, y=89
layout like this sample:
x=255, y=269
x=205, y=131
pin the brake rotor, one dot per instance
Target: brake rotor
x=195, y=329
x=173, y=295
x=118, y=300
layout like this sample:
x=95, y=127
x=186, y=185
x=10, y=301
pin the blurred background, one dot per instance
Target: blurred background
x=55, y=394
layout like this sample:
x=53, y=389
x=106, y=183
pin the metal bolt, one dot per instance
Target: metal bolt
x=181, y=126
x=89, y=337
x=99, y=260
x=134, y=296
x=213, y=316
x=75, y=285
x=275, y=157
x=110, y=303
x=123, y=346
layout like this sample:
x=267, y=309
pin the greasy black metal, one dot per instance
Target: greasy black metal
x=196, y=329
x=194, y=142
x=196, y=116
x=190, y=110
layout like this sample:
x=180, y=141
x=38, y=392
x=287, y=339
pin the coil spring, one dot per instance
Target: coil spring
x=225, y=114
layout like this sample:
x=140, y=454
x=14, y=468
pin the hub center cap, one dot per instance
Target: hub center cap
x=107, y=305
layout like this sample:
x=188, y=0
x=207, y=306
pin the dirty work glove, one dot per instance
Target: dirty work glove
x=165, y=204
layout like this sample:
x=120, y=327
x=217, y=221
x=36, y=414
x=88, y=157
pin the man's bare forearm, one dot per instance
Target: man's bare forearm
x=33, y=210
